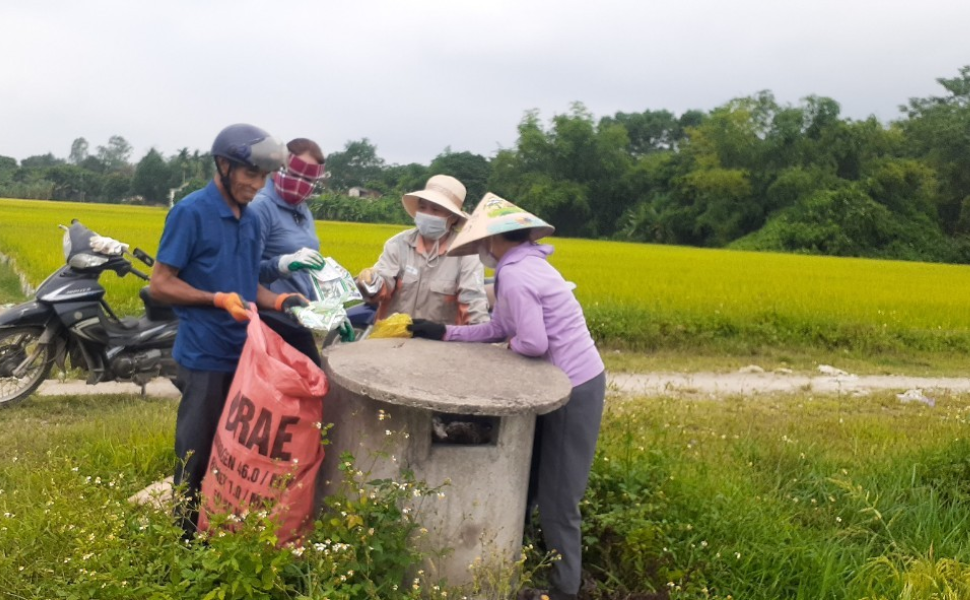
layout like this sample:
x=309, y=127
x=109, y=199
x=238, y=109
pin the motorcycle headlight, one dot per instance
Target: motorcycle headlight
x=86, y=261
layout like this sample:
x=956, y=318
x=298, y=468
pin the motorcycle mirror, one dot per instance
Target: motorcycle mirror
x=143, y=257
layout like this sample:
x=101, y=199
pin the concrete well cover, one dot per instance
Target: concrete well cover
x=450, y=377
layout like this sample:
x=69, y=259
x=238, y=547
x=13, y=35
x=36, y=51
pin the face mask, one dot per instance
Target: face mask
x=292, y=189
x=430, y=226
x=486, y=257
x=296, y=183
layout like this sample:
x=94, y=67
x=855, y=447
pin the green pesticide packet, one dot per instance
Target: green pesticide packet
x=334, y=287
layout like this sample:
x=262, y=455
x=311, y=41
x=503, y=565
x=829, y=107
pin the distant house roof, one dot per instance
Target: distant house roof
x=362, y=192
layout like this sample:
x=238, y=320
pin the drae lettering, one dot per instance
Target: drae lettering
x=261, y=433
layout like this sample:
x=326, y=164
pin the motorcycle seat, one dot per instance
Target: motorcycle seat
x=124, y=324
x=155, y=310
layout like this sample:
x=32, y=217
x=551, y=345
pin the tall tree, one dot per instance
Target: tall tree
x=653, y=130
x=574, y=171
x=357, y=165
x=93, y=164
x=938, y=131
x=115, y=155
x=79, y=151
x=396, y=180
x=73, y=183
x=153, y=178
x=471, y=169
x=41, y=161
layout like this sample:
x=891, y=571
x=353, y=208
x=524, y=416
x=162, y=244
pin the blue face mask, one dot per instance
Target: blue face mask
x=430, y=226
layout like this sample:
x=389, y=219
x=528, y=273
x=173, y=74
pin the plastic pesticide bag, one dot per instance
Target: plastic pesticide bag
x=395, y=326
x=334, y=287
x=266, y=452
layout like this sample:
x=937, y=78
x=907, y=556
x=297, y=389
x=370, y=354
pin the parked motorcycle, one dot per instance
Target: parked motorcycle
x=69, y=317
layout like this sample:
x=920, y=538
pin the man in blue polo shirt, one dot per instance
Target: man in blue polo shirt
x=208, y=259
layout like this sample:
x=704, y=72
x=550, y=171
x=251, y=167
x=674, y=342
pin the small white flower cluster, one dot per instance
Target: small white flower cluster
x=327, y=547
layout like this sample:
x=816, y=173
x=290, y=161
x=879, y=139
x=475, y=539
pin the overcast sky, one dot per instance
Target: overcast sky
x=416, y=76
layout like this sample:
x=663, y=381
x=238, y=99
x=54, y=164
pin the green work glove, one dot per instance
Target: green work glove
x=304, y=258
x=347, y=332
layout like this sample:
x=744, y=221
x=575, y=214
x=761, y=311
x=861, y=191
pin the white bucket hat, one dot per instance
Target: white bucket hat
x=492, y=216
x=443, y=190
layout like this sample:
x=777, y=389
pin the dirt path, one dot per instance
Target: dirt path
x=729, y=384
x=649, y=384
x=157, y=388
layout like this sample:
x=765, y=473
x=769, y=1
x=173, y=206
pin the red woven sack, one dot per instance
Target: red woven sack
x=267, y=446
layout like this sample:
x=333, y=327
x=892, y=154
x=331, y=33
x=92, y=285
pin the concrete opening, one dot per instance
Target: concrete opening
x=464, y=430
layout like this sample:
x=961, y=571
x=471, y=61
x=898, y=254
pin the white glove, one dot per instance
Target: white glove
x=108, y=246
x=304, y=258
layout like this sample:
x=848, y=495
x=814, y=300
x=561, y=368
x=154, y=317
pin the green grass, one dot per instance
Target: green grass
x=67, y=529
x=9, y=285
x=787, y=497
x=801, y=360
x=796, y=496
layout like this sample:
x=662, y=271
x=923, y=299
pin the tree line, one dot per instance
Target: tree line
x=751, y=174
x=104, y=175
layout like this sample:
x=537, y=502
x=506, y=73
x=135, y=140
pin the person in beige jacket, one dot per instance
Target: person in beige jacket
x=414, y=276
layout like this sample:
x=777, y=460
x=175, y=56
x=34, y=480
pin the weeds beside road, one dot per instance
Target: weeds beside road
x=794, y=496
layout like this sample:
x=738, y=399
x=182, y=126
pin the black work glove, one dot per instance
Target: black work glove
x=287, y=302
x=429, y=330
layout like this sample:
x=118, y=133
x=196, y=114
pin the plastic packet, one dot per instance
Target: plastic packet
x=334, y=287
x=316, y=319
x=395, y=326
x=333, y=283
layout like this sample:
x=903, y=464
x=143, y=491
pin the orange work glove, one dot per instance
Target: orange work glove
x=232, y=303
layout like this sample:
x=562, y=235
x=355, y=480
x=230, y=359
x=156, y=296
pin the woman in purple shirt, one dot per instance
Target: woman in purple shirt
x=538, y=314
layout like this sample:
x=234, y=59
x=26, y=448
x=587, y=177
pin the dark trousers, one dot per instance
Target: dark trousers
x=203, y=396
x=562, y=457
x=293, y=334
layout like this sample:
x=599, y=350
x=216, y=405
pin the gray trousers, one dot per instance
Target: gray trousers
x=566, y=444
x=203, y=396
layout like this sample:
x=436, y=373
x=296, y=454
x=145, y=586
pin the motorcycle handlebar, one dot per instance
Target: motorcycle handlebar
x=139, y=274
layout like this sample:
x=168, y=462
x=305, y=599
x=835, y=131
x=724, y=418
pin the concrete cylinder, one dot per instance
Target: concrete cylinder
x=418, y=385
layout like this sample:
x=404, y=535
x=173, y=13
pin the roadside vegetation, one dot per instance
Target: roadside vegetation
x=795, y=496
x=9, y=285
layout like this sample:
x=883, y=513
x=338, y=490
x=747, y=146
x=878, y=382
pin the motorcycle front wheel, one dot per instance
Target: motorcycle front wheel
x=18, y=344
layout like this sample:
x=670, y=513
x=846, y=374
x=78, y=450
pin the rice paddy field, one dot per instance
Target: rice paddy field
x=639, y=296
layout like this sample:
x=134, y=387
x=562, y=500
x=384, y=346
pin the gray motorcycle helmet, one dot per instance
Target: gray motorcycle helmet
x=250, y=146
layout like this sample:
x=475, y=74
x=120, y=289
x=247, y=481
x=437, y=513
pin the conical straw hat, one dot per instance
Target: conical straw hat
x=492, y=216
